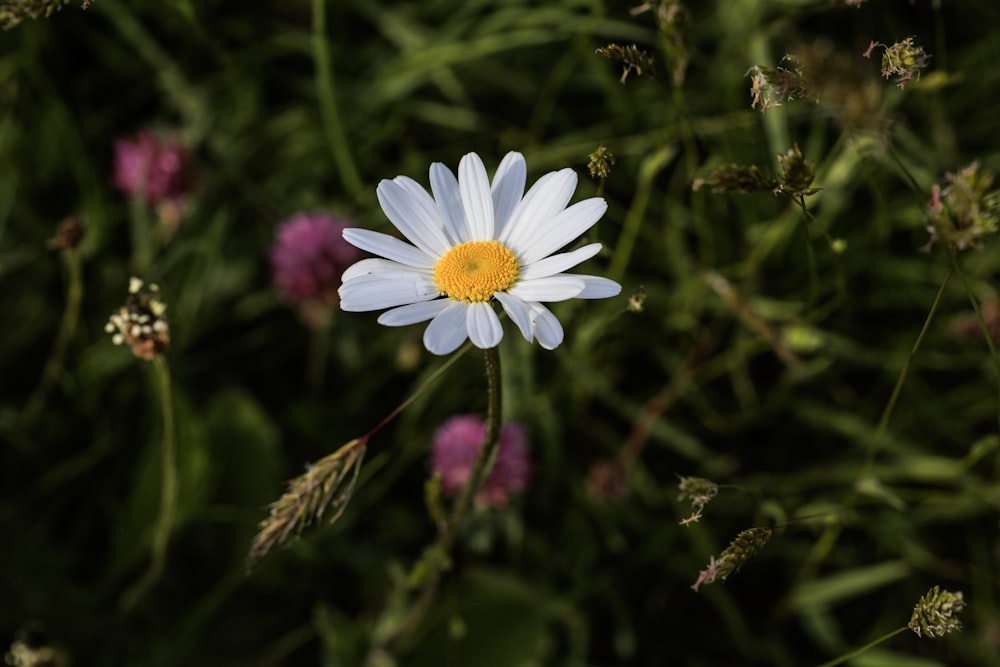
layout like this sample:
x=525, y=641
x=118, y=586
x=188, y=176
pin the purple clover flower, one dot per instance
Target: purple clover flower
x=454, y=450
x=154, y=167
x=307, y=259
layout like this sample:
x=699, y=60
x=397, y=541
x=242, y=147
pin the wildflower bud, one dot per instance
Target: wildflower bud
x=140, y=323
x=772, y=86
x=743, y=546
x=904, y=60
x=631, y=57
x=967, y=210
x=608, y=480
x=601, y=161
x=152, y=166
x=31, y=648
x=307, y=260
x=454, y=450
x=637, y=302
x=738, y=178
x=68, y=235
x=935, y=614
x=15, y=11
x=796, y=173
x=699, y=491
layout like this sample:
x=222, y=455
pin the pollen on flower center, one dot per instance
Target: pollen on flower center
x=474, y=271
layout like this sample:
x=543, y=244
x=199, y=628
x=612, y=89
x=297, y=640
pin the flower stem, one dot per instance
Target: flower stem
x=168, y=492
x=487, y=453
x=855, y=653
x=427, y=571
x=800, y=201
x=71, y=315
x=890, y=406
x=982, y=320
x=335, y=135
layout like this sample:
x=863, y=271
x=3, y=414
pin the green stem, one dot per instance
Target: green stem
x=982, y=321
x=436, y=556
x=187, y=100
x=810, y=252
x=632, y=225
x=853, y=654
x=416, y=394
x=325, y=91
x=71, y=315
x=487, y=453
x=168, y=492
x=890, y=406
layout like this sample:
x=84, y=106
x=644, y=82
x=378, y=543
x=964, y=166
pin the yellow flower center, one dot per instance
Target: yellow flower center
x=474, y=271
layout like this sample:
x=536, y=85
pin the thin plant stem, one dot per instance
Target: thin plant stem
x=327, y=94
x=891, y=404
x=810, y=255
x=448, y=533
x=982, y=322
x=70, y=318
x=855, y=653
x=168, y=492
x=412, y=397
x=485, y=457
x=829, y=537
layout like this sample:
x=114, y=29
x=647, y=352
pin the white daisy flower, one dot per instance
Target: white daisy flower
x=474, y=243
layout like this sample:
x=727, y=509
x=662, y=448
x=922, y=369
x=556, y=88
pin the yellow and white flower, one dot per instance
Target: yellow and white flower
x=473, y=243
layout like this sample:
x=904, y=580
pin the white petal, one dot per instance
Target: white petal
x=389, y=247
x=546, y=198
x=474, y=187
x=553, y=288
x=367, y=267
x=413, y=313
x=508, y=188
x=559, y=263
x=560, y=230
x=444, y=185
x=547, y=329
x=447, y=330
x=410, y=216
x=378, y=291
x=519, y=313
x=484, y=325
x=425, y=205
x=598, y=288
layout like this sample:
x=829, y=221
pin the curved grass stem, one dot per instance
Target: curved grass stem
x=883, y=422
x=327, y=94
x=168, y=492
x=855, y=653
x=71, y=315
x=982, y=323
x=427, y=571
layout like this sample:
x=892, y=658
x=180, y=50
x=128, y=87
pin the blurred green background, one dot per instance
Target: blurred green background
x=761, y=358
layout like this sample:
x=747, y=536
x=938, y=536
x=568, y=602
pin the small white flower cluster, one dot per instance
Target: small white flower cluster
x=140, y=323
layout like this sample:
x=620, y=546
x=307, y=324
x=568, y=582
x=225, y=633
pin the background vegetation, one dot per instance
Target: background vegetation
x=763, y=357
